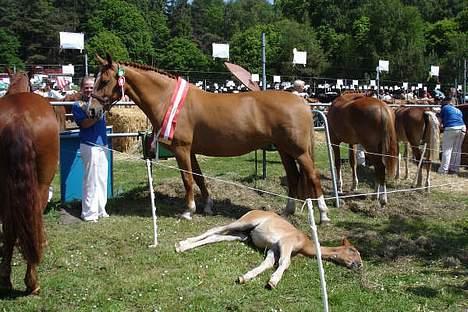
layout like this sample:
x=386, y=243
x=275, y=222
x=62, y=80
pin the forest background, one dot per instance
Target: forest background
x=343, y=38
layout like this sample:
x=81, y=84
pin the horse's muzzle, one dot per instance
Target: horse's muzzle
x=104, y=101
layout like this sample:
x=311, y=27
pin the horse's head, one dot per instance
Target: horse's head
x=19, y=82
x=106, y=88
x=348, y=256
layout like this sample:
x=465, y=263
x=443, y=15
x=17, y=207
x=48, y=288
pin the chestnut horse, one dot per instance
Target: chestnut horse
x=416, y=126
x=29, y=151
x=221, y=125
x=20, y=82
x=359, y=119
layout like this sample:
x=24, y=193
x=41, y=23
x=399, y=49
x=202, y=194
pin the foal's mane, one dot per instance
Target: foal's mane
x=148, y=68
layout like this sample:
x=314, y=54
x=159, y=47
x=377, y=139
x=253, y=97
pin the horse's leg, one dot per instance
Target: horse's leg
x=381, y=188
x=285, y=249
x=397, y=176
x=187, y=244
x=200, y=180
x=31, y=281
x=292, y=175
x=182, y=155
x=308, y=169
x=337, y=158
x=266, y=264
x=9, y=239
x=406, y=156
x=353, y=163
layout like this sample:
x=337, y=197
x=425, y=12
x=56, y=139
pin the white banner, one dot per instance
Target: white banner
x=68, y=69
x=355, y=82
x=434, y=70
x=372, y=83
x=255, y=77
x=383, y=65
x=300, y=57
x=405, y=85
x=276, y=78
x=339, y=82
x=70, y=40
x=420, y=85
x=221, y=50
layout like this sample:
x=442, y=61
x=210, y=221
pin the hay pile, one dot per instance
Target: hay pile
x=123, y=120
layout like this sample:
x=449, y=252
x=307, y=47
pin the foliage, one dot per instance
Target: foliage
x=9, y=48
x=183, y=55
x=106, y=42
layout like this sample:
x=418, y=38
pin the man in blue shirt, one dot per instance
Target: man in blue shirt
x=454, y=134
x=93, y=149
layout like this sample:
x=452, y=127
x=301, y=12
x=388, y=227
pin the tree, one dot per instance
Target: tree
x=106, y=42
x=9, y=48
x=180, y=20
x=126, y=22
x=183, y=54
x=208, y=22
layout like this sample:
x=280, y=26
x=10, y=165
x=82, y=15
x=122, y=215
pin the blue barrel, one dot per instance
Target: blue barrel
x=71, y=167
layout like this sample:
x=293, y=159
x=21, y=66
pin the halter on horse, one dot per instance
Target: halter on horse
x=358, y=119
x=220, y=125
x=415, y=125
x=29, y=150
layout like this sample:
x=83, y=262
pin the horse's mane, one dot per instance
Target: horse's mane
x=148, y=68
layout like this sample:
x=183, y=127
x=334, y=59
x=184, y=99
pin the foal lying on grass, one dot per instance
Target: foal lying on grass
x=270, y=231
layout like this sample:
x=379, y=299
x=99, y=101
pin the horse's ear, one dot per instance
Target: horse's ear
x=101, y=60
x=345, y=242
x=109, y=59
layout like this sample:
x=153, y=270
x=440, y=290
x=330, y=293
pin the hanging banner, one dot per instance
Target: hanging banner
x=383, y=65
x=70, y=40
x=68, y=69
x=300, y=57
x=276, y=78
x=221, y=50
x=256, y=77
x=434, y=70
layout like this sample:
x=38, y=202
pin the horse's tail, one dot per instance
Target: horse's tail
x=21, y=201
x=389, y=143
x=304, y=190
x=431, y=134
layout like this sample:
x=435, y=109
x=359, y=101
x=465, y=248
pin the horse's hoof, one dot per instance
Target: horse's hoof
x=35, y=291
x=325, y=222
x=186, y=215
x=209, y=207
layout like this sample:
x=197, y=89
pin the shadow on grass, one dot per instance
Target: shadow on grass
x=407, y=236
x=136, y=202
x=12, y=294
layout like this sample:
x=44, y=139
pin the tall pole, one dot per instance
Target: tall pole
x=86, y=63
x=464, y=82
x=264, y=88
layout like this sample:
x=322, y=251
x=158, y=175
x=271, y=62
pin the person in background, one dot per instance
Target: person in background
x=298, y=86
x=454, y=134
x=93, y=143
x=50, y=92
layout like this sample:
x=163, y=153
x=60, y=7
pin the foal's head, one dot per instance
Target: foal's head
x=348, y=256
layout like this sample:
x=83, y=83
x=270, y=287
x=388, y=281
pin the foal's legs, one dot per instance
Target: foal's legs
x=292, y=175
x=200, y=180
x=183, y=160
x=187, y=244
x=266, y=264
x=308, y=169
x=285, y=249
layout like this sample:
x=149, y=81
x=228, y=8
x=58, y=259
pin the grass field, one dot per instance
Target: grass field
x=414, y=250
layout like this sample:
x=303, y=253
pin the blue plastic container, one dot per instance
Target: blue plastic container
x=71, y=167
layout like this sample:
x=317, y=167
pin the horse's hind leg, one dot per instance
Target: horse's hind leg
x=200, y=180
x=31, y=279
x=381, y=188
x=353, y=164
x=9, y=239
x=183, y=160
x=292, y=175
x=308, y=169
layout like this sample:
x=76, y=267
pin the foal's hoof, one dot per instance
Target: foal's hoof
x=240, y=280
x=270, y=285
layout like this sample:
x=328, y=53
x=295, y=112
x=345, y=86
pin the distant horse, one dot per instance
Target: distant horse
x=29, y=151
x=221, y=125
x=359, y=119
x=416, y=126
x=20, y=82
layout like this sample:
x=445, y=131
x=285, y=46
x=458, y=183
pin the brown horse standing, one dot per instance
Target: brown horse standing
x=29, y=149
x=222, y=125
x=359, y=119
x=20, y=82
x=416, y=126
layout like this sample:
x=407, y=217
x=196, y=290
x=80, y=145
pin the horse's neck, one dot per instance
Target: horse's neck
x=328, y=253
x=151, y=91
